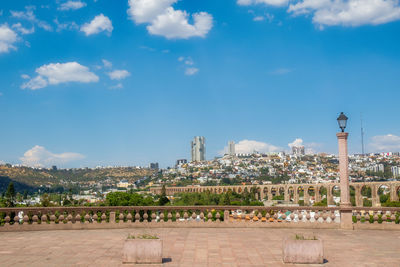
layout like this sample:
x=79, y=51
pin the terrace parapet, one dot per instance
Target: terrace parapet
x=63, y=218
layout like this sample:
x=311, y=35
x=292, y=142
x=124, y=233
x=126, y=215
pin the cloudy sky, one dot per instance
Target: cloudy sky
x=128, y=82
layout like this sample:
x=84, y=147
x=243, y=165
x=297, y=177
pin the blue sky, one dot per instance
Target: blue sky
x=87, y=83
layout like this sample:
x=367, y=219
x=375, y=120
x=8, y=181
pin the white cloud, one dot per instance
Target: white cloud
x=174, y=24
x=348, y=12
x=25, y=76
x=385, y=143
x=145, y=11
x=266, y=2
x=72, y=5
x=106, y=63
x=56, y=73
x=165, y=21
x=7, y=38
x=30, y=16
x=186, y=60
x=297, y=142
x=118, y=74
x=18, y=27
x=66, y=25
x=98, y=24
x=1, y=94
x=250, y=146
x=38, y=156
x=36, y=83
x=117, y=86
x=259, y=18
x=191, y=71
x=310, y=148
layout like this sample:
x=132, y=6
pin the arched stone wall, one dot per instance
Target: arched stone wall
x=291, y=191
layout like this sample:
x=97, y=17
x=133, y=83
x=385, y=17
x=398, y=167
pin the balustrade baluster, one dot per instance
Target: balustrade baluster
x=194, y=216
x=53, y=218
x=333, y=216
x=252, y=216
x=145, y=216
x=202, y=216
x=87, y=218
x=103, y=217
x=267, y=216
x=78, y=218
x=95, y=217
x=162, y=216
x=393, y=217
x=153, y=216
x=137, y=216
x=358, y=216
x=43, y=219
x=16, y=220
x=121, y=217
x=316, y=216
x=300, y=216
x=209, y=217
x=218, y=217
x=169, y=216
x=35, y=219
x=376, y=217
x=26, y=219
x=291, y=216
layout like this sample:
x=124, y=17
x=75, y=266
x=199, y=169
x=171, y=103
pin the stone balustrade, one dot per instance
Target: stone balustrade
x=291, y=192
x=53, y=218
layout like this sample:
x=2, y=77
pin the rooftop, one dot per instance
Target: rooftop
x=197, y=247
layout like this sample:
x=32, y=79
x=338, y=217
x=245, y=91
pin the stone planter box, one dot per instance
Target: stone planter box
x=142, y=251
x=303, y=251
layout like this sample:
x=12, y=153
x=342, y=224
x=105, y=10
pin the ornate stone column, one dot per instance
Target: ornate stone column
x=375, y=196
x=262, y=196
x=393, y=193
x=296, y=195
x=358, y=196
x=345, y=216
x=286, y=194
x=306, y=196
x=329, y=197
x=317, y=194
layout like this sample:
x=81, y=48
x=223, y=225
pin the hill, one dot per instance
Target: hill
x=34, y=177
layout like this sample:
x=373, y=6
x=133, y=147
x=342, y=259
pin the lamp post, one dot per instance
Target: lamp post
x=346, y=220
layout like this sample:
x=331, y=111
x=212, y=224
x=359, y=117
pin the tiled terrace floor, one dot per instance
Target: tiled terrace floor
x=196, y=247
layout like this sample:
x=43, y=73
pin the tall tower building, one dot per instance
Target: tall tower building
x=198, y=148
x=231, y=148
x=298, y=150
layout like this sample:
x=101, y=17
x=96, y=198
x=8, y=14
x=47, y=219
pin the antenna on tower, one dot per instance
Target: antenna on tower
x=362, y=135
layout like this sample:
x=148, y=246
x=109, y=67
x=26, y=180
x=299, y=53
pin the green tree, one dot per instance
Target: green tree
x=10, y=195
x=163, y=197
x=45, y=200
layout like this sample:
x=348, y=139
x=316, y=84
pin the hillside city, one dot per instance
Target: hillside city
x=91, y=185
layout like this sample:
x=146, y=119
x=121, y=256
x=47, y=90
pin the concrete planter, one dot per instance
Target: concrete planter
x=145, y=251
x=303, y=251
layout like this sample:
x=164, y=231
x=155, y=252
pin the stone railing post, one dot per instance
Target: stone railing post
x=345, y=215
x=112, y=217
x=226, y=215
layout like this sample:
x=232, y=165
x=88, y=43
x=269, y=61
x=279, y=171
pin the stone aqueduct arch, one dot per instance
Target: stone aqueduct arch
x=291, y=191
